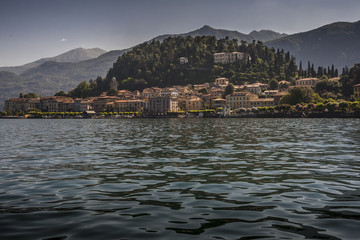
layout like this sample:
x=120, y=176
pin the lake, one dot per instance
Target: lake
x=180, y=179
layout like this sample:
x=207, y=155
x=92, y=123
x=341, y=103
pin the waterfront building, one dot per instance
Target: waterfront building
x=82, y=105
x=218, y=102
x=240, y=100
x=162, y=104
x=128, y=105
x=56, y=104
x=194, y=103
x=101, y=104
x=21, y=104
x=225, y=57
x=262, y=102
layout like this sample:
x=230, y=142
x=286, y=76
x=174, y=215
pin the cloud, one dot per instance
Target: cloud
x=63, y=40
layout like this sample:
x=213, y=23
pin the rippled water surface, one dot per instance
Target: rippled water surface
x=180, y=179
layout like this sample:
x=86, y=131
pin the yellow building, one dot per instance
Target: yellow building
x=247, y=100
x=262, y=102
x=240, y=100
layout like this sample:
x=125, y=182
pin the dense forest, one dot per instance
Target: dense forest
x=156, y=63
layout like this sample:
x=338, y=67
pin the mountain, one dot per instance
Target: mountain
x=337, y=43
x=51, y=77
x=75, y=55
x=266, y=35
x=221, y=33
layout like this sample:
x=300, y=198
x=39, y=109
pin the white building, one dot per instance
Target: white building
x=224, y=58
x=184, y=60
x=172, y=92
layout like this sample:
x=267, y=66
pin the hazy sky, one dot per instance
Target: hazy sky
x=33, y=29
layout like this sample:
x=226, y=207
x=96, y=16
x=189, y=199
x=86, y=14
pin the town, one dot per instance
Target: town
x=218, y=95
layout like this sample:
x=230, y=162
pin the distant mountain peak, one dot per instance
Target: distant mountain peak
x=206, y=27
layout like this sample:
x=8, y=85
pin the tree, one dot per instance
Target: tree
x=274, y=84
x=298, y=95
x=61, y=93
x=112, y=92
x=30, y=95
x=348, y=81
x=229, y=89
x=326, y=85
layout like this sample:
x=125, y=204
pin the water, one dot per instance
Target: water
x=180, y=179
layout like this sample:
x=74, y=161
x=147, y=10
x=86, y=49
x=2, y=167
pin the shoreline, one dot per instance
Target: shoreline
x=355, y=114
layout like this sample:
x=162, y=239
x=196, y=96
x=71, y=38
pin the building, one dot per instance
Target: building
x=283, y=86
x=21, y=104
x=357, y=91
x=56, y=104
x=224, y=58
x=82, y=105
x=255, y=88
x=218, y=102
x=306, y=82
x=150, y=92
x=270, y=92
x=240, y=100
x=128, y=105
x=221, y=81
x=247, y=100
x=172, y=92
x=216, y=93
x=183, y=60
x=101, y=104
x=194, y=103
x=262, y=102
x=162, y=104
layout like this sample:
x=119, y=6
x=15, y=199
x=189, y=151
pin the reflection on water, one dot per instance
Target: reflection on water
x=180, y=178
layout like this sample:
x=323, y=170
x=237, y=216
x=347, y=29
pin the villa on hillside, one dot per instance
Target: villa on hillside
x=306, y=82
x=225, y=58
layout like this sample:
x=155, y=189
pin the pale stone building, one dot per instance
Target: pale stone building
x=225, y=57
x=162, y=104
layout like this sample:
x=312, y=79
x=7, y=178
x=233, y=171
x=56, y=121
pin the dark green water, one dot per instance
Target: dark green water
x=180, y=179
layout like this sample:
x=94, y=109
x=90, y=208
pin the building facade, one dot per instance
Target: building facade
x=240, y=100
x=225, y=58
x=193, y=104
x=21, y=104
x=306, y=82
x=128, y=105
x=162, y=105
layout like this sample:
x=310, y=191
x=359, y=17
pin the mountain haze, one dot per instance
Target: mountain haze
x=222, y=33
x=337, y=43
x=266, y=35
x=75, y=55
x=50, y=77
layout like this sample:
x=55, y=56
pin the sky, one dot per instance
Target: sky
x=34, y=29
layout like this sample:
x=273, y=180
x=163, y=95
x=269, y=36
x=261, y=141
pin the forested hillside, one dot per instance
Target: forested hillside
x=157, y=64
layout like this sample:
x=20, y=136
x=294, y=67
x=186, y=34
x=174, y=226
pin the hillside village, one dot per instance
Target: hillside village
x=217, y=94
